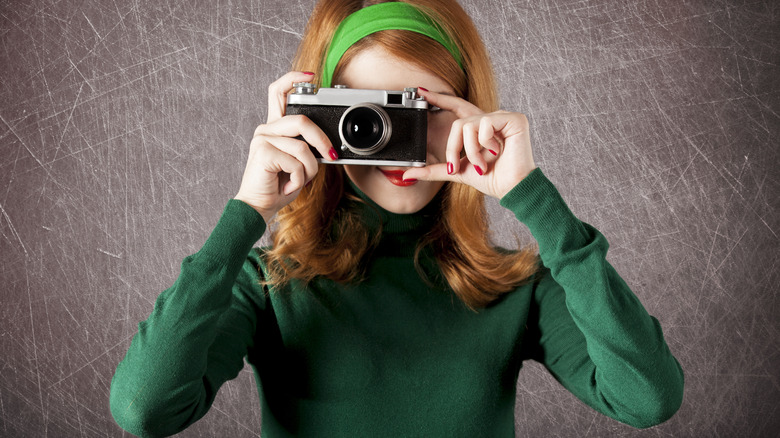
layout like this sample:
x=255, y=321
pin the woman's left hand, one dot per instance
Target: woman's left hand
x=497, y=148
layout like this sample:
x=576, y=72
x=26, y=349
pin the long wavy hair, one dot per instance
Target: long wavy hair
x=319, y=235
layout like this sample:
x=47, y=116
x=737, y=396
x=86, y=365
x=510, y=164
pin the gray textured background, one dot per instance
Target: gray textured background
x=124, y=128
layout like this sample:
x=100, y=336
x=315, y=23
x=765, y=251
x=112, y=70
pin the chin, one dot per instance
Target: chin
x=390, y=192
x=404, y=207
x=406, y=200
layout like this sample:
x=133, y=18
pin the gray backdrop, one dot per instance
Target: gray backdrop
x=124, y=128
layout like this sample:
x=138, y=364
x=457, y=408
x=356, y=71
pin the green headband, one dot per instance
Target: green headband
x=382, y=16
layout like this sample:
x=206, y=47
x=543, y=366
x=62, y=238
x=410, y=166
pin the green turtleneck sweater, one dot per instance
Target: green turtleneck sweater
x=393, y=355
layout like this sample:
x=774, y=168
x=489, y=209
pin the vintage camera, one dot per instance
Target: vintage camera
x=371, y=127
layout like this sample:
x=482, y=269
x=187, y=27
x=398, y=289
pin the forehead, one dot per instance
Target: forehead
x=375, y=68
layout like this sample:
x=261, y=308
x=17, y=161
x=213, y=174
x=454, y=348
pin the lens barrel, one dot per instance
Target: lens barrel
x=365, y=128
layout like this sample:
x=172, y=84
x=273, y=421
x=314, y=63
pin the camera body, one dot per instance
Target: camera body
x=369, y=127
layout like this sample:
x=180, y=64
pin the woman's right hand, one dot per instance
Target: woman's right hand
x=279, y=165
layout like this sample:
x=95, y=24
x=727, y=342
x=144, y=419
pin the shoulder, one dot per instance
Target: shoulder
x=256, y=258
x=545, y=288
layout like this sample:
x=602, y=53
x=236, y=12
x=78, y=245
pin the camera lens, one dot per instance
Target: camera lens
x=365, y=128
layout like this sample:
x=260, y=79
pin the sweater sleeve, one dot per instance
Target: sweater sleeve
x=197, y=335
x=593, y=334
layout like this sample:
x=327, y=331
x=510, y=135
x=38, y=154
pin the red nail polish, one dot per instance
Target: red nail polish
x=410, y=180
x=493, y=152
x=424, y=89
x=333, y=154
x=479, y=171
x=308, y=73
x=450, y=168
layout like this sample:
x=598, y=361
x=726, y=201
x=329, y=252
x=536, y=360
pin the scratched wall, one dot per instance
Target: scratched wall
x=123, y=132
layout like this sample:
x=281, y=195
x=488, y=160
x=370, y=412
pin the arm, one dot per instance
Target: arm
x=197, y=335
x=593, y=334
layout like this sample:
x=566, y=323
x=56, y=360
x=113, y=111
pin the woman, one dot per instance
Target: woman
x=381, y=308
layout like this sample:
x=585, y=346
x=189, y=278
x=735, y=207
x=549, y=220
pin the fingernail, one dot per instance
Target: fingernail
x=308, y=73
x=479, y=171
x=411, y=180
x=493, y=152
x=422, y=88
x=333, y=154
x=450, y=168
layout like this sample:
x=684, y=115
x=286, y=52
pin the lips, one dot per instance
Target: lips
x=397, y=178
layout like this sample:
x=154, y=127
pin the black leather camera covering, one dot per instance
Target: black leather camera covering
x=408, y=142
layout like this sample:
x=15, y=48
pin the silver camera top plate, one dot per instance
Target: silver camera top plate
x=305, y=93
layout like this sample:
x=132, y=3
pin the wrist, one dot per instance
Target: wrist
x=265, y=213
x=238, y=228
x=518, y=179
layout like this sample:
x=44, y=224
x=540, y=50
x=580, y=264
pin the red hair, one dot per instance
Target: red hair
x=317, y=235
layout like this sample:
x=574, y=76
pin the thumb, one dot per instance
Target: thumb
x=433, y=172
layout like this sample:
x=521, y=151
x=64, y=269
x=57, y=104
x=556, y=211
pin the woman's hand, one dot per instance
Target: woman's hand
x=497, y=148
x=279, y=165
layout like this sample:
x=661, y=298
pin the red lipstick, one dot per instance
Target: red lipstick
x=397, y=177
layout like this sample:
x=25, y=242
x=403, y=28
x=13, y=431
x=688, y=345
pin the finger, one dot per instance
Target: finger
x=461, y=107
x=433, y=172
x=487, y=136
x=473, y=148
x=299, y=124
x=454, y=146
x=289, y=172
x=277, y=92
x=507, y=124
x=510, y=131
x=438, y=172
x=298, y=150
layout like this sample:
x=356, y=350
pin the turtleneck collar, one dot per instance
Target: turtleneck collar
x=395, y=223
